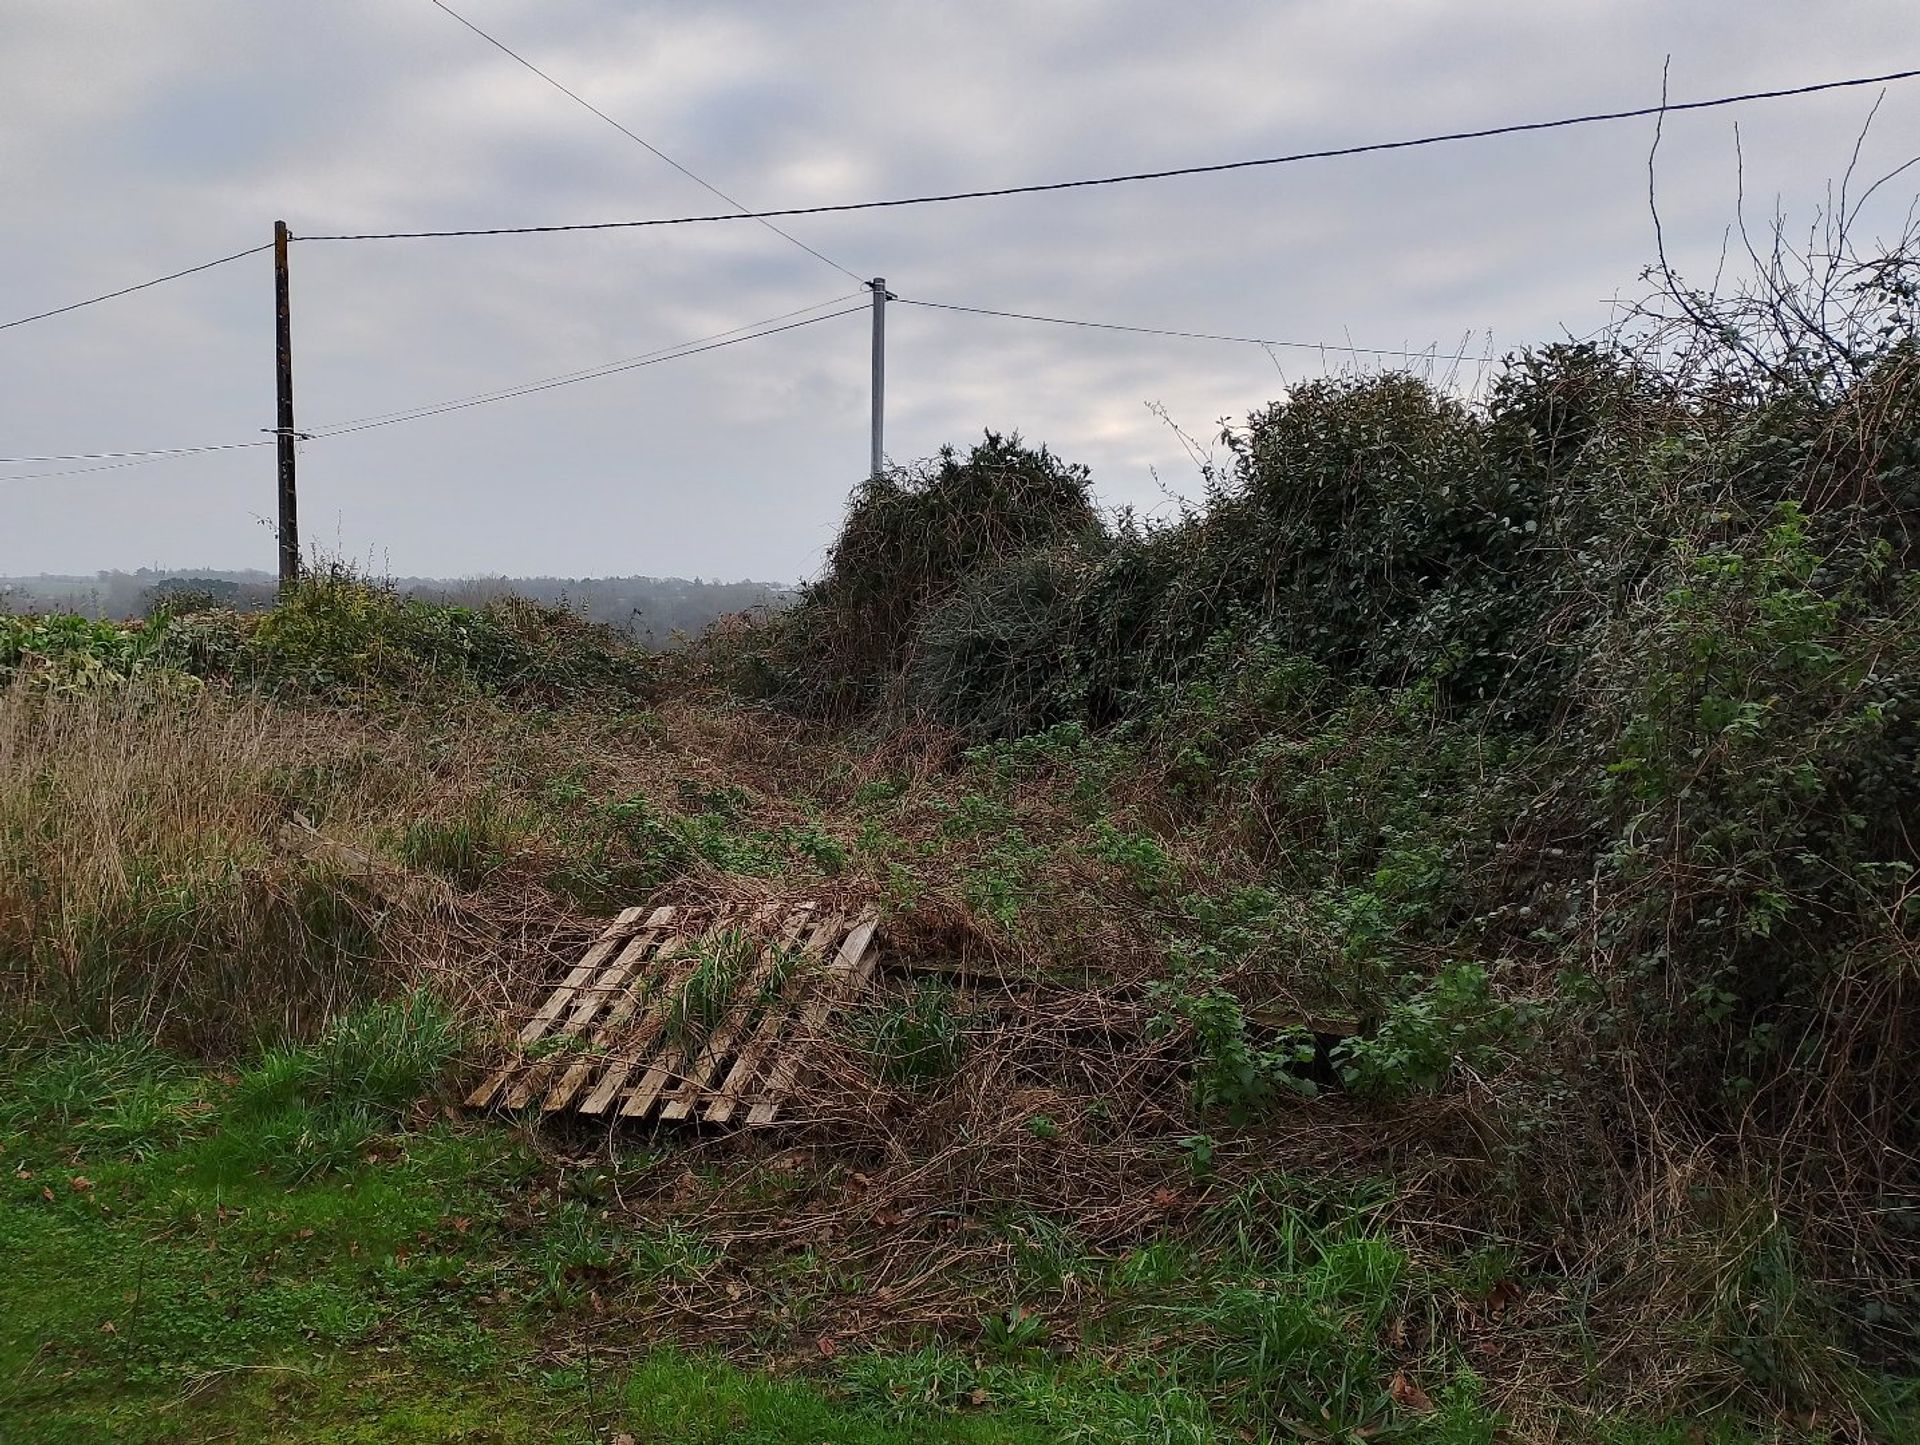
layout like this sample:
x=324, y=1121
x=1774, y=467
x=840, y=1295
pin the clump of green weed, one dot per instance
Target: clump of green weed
x=1452, y=1021
x=465, y=849
x=382, y=1057
x=336, y=633
x=721, y=965
x=917, y=1040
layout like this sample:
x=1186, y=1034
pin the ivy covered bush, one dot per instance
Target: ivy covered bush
x=1578, y=726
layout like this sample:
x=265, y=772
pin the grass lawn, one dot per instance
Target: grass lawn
x=184, y=1265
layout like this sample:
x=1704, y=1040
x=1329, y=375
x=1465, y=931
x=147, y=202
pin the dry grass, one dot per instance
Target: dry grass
x=146, y=887
x=159, y=877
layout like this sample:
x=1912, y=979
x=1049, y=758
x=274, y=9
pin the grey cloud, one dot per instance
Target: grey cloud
x=139, y=136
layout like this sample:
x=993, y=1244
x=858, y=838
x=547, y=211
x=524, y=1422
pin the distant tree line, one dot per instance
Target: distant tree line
x=650, y=609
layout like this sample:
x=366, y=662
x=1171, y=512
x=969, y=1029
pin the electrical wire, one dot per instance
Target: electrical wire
x=141, y=460
x=753, y=330
x=1261, y=341
x=701, y=181
x=142, y=286
x=1331, y=153
x=155, y=452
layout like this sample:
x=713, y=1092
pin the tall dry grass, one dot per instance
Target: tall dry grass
x=149, y=882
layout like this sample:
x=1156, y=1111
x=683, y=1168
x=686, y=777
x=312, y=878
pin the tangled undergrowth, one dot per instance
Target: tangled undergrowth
x=1564, y=748
x=1423, y=943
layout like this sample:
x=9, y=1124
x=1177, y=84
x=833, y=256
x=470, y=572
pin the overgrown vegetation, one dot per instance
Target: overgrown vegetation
x=1573, y=737
x=1421, y=945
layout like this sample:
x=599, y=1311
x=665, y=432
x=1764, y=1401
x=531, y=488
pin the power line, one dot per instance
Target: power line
x=1261, y=341
x=1332, y=153
x=651, y=358
x=155, y=452
x=129, y=290
x=753, y=331
x=575, y=96
x=138, y=460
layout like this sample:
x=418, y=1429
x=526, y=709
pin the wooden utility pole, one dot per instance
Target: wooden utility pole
x=879, y=286
x=283, y=430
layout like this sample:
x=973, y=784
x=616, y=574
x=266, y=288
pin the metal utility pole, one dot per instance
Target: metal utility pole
x=879, y=285
x=283, y=431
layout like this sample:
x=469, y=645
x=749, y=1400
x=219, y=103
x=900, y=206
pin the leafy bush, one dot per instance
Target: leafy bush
x=1452, y=1021
x=337, y=631
x=986, y=658
x=75, y=652
x=908, y=541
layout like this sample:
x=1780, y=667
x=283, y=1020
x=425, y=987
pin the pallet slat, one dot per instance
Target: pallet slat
x=672, y=1058
x=586, y=999
x=847, y=972
x=766, y=1036
x=635, y=1046
x=679, y=1101
x=616, y=933
x=617, y=995
x=622, y=1002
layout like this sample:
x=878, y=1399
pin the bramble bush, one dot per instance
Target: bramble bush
x=1578, y=725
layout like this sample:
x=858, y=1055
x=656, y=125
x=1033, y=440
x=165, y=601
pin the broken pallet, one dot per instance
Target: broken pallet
x=686, y=1014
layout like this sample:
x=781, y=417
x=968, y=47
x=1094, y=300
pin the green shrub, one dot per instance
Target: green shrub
x=75, y=652
x=1451, y=1022
x=986, y=658
x=908, y=541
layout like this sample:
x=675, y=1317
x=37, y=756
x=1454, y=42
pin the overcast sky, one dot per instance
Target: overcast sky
x=139, y=136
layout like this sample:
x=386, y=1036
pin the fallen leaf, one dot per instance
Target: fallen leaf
x=828, y=1349
x=1502, y=1297
x=1409, y=1396
x=79, y=1184
x=1165, y=1198
x=108, y=1329
x=621, y=1439
x=977, y=1396
x=46, y=1194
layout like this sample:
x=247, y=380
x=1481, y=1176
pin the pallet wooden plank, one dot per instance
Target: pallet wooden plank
x=672, y=1060
x=619, y=989
x=634, y=1047
x=679, y=1102
x=534, y=1074
x=638, y=990
x=848, y=971
x=753, y=1055
x=616, y=933
x=622, y=929
x=591, y=996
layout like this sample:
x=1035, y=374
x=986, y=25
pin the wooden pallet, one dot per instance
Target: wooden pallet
x=615, y=1039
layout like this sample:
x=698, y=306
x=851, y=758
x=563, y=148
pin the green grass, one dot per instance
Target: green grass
x=271, y=1257
x=278, y=1255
